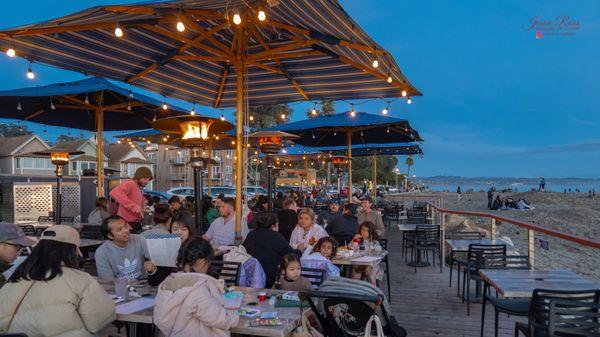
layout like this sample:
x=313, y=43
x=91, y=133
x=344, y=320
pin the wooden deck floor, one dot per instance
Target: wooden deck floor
x=425, y=306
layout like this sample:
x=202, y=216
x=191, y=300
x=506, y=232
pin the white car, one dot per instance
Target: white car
x=182, y=192
x=251, y=191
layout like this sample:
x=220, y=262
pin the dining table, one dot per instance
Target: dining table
x=463, y=245
x=521, y=283
x=289, y=316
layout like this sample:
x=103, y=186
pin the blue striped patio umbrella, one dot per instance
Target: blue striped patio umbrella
x=220, y=53
x=92, y=104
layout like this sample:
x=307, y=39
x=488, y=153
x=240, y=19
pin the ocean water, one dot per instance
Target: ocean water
x=583, y=187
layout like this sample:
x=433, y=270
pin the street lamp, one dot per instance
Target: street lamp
x=59, y=157
x=340, y=162
x=269, y=143
x=195, y=132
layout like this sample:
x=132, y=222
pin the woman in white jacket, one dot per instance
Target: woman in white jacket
x=190, y=303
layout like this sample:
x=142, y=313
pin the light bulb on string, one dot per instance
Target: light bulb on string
x=128, y=105
x=19, y=107
x=352, y=112
x=375, y=64
x=180, y=26
x=388, y=130
x=164, y=105
x=334, y=133
x=30, y=74
x=87, y=99
x=409, y=101
x=389, y=79
x=11, y=52
x=403, y=93
x=222, y=117
x=118, y=31
x=154, y=118
x=262, y=16
x=193, y=111
x=251, y=118
x=130, y=92
x=52, y=107
x=313, y=136
x=386, y=110
x=237, y=19
x=283, y=116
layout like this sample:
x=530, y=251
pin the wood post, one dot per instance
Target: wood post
x=531, y=247
x=350, y=188
x=99, y=159
x=239, y=123
x=209, y=167
x=493, y=229
x=443, y=234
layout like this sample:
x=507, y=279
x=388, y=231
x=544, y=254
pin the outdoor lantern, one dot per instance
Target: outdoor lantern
x=339, y=162
x=269, y=145
x=194, y=133
x=59, y=157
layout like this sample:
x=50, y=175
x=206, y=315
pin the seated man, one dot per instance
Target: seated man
x=333, y=210
x=288, y=218
x=123, y=254
x=222, y=230
x=343, y=227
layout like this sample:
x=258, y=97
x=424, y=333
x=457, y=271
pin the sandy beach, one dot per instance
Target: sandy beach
x=575, y=214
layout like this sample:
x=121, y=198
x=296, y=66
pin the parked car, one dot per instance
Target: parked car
x=251, y=191
x=216, y=190
x=182, y=192
x=164, y=196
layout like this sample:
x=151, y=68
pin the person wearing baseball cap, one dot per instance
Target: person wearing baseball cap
x=48, y=295
x=130, y=197
x=12, y=241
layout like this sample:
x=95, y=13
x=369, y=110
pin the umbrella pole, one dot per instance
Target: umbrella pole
x=349, y=137
x=374, y=174
x=210, y=155
x=239, y=70
x=99, y=161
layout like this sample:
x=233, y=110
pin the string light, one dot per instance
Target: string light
x=409, y=101
x=128, y=105
x=282, y=116
x=30, y=74
x=118, y=31
x=87, y=99
x=262, y=16
x=388, y=130
x=180, y=26
x=237, y=19
x=375, y=64
x=251, y=118
x=222, y=116
x=193, y=111
x=334, y=133
x=130, y=92
x=11, y=52
x=52, y=105
x=389, y=79
x=352, y=112
x=19, y=107
x=403, y=93
x=165, y=106
x=154, y=118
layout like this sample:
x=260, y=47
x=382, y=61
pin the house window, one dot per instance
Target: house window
x=215, y=171
x=34, y=163
x=74, y=166
x=228, y=169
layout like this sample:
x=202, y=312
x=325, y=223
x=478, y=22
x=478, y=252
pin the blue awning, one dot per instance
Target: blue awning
x=73, y=104
x=304, y=50
x=364, y=128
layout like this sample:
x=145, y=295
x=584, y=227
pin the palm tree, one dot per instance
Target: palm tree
x=409, y=162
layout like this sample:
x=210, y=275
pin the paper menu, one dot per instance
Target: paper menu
x=163, y=249
x=135, y=306
x=367, y=259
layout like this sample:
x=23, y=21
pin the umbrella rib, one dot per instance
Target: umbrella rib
x=75, y=100
x=89, y=26
x=221, y=86
x=284, y=72
x=178, y=52
x=178, y=37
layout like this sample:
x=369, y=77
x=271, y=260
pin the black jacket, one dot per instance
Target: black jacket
x=288, y=219
x=268, y=247
x=342, y=228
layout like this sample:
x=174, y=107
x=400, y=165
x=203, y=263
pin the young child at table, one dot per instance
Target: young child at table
x=291, y=279
x=367, y=239
x=320, y=256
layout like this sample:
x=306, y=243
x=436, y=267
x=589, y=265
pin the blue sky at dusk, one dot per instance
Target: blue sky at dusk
x=497, y=101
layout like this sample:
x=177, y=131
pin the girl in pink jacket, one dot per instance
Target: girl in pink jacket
x=190, y=303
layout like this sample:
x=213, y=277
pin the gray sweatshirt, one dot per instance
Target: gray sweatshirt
x=113, y=261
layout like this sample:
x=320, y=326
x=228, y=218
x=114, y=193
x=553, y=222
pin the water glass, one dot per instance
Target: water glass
x=121, y=287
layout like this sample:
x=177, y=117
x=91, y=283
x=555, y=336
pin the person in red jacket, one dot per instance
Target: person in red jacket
x=129, y=195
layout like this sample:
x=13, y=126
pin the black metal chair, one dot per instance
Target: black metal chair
x=227, y=271
x=67, y=219
x=475, y=261
x=510, y=306
x=459, y=258
x=29, y=230
x=314, y=275
x=91, y=232
x=573, y=318
x=4, y=334
x=385, y=261
x=539, y=309
x=345, y=315
x=45, y=219
x=427, y=238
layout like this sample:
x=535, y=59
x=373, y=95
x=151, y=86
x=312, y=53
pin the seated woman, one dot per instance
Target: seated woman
x=190, y=303
x=320, y=256
x=307, y=232
x=48, y=295
x=367, y=239
x=99, y=213
x=162, y=221
x=185, y=231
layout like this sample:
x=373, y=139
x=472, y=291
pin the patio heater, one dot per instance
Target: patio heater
x=195, y=132
x=269, y=143
x=60, y=158
x=108, y=173
x=340, y=162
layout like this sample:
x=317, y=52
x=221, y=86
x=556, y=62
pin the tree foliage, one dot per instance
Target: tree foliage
x=269, y=115
x=14, y=130
x=65, y=138
x=362, y=169
x=327, y=108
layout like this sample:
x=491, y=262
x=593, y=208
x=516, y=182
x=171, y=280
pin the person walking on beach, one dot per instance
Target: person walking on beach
x=130, y=198
x=542, y=184
x=490, y=196
x=458, y=192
